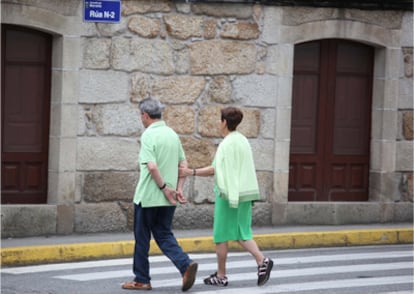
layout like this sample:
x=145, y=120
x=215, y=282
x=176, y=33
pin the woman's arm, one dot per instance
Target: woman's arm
x=181, y=180
x=207, y=171
x=180, y=195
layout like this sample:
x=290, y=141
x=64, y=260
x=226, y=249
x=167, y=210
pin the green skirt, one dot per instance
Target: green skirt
x=232, y=223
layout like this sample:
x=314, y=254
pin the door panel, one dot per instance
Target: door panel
x=24, y=113
x=305, y=114
x=305, y=179
x=26, y=67
x=329, y=158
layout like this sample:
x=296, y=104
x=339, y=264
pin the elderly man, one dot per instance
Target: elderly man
x=158, y=190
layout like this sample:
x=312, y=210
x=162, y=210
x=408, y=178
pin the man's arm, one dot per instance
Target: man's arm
x=155, y=173
x=169, y=192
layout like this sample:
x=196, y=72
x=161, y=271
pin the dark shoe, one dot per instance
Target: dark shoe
x=136, y=286
x=214, y=280
x=189, y=276
x=263, y=271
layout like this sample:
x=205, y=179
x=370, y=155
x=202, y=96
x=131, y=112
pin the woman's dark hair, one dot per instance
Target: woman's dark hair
x=233, y=116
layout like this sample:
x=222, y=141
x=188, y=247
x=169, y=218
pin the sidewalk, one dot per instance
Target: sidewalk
x=76, y=247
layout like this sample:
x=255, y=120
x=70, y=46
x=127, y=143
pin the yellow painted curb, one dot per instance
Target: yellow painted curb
x=16, y=256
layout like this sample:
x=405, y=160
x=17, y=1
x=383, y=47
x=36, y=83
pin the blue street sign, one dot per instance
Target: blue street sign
x=102, y=11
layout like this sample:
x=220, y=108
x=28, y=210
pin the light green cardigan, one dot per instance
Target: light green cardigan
x=234, y=170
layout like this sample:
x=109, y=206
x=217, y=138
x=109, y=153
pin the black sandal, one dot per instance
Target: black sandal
x=215, y=280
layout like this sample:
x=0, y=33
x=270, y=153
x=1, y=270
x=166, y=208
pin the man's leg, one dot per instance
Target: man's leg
x=166, y=240
x=169, y=246
x=142, y=235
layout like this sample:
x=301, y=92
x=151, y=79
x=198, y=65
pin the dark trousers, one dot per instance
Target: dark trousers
x=158, y=221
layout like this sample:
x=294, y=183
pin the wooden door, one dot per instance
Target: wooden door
x=26, y=69
x=331, y=115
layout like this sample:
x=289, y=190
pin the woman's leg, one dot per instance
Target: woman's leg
x=251, y=246
x=221, y=251
x=264, y=265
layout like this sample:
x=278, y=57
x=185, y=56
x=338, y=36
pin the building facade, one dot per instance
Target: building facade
x=327, y=96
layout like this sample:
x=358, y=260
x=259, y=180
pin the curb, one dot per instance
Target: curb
x=30, y=255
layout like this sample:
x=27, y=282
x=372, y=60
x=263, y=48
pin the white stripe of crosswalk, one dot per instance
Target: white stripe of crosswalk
x=100, y=264
x=319, y=285
x=303, y=272
x=64, y=266
x=397, y=292
x=156, y=259
x=345, y=272
x=245, y=264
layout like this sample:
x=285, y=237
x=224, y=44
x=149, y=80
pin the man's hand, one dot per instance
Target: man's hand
x=180, y=196
x=170, y=194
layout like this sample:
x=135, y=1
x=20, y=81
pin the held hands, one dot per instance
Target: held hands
x=174, y=195
x=177, y=195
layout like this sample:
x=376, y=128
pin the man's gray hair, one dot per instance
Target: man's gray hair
x=153, y=107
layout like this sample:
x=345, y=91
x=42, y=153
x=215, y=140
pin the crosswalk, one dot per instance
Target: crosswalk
x=348, y=270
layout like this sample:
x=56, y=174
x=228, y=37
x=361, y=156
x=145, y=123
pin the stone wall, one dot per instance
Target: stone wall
x=197, y=58
x=405, y=116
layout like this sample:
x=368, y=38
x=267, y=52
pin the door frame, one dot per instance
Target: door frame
x=387, y=54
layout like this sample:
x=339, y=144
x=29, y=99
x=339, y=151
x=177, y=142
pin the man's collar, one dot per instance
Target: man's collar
x=157, y=123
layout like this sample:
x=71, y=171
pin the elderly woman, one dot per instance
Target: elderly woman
x=235, y=188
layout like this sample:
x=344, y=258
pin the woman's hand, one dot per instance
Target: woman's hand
x=185, y=172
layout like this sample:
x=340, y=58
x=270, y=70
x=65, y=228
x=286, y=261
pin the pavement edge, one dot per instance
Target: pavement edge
x=31, y=255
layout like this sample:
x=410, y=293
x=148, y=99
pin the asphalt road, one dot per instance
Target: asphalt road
x=363, y=269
